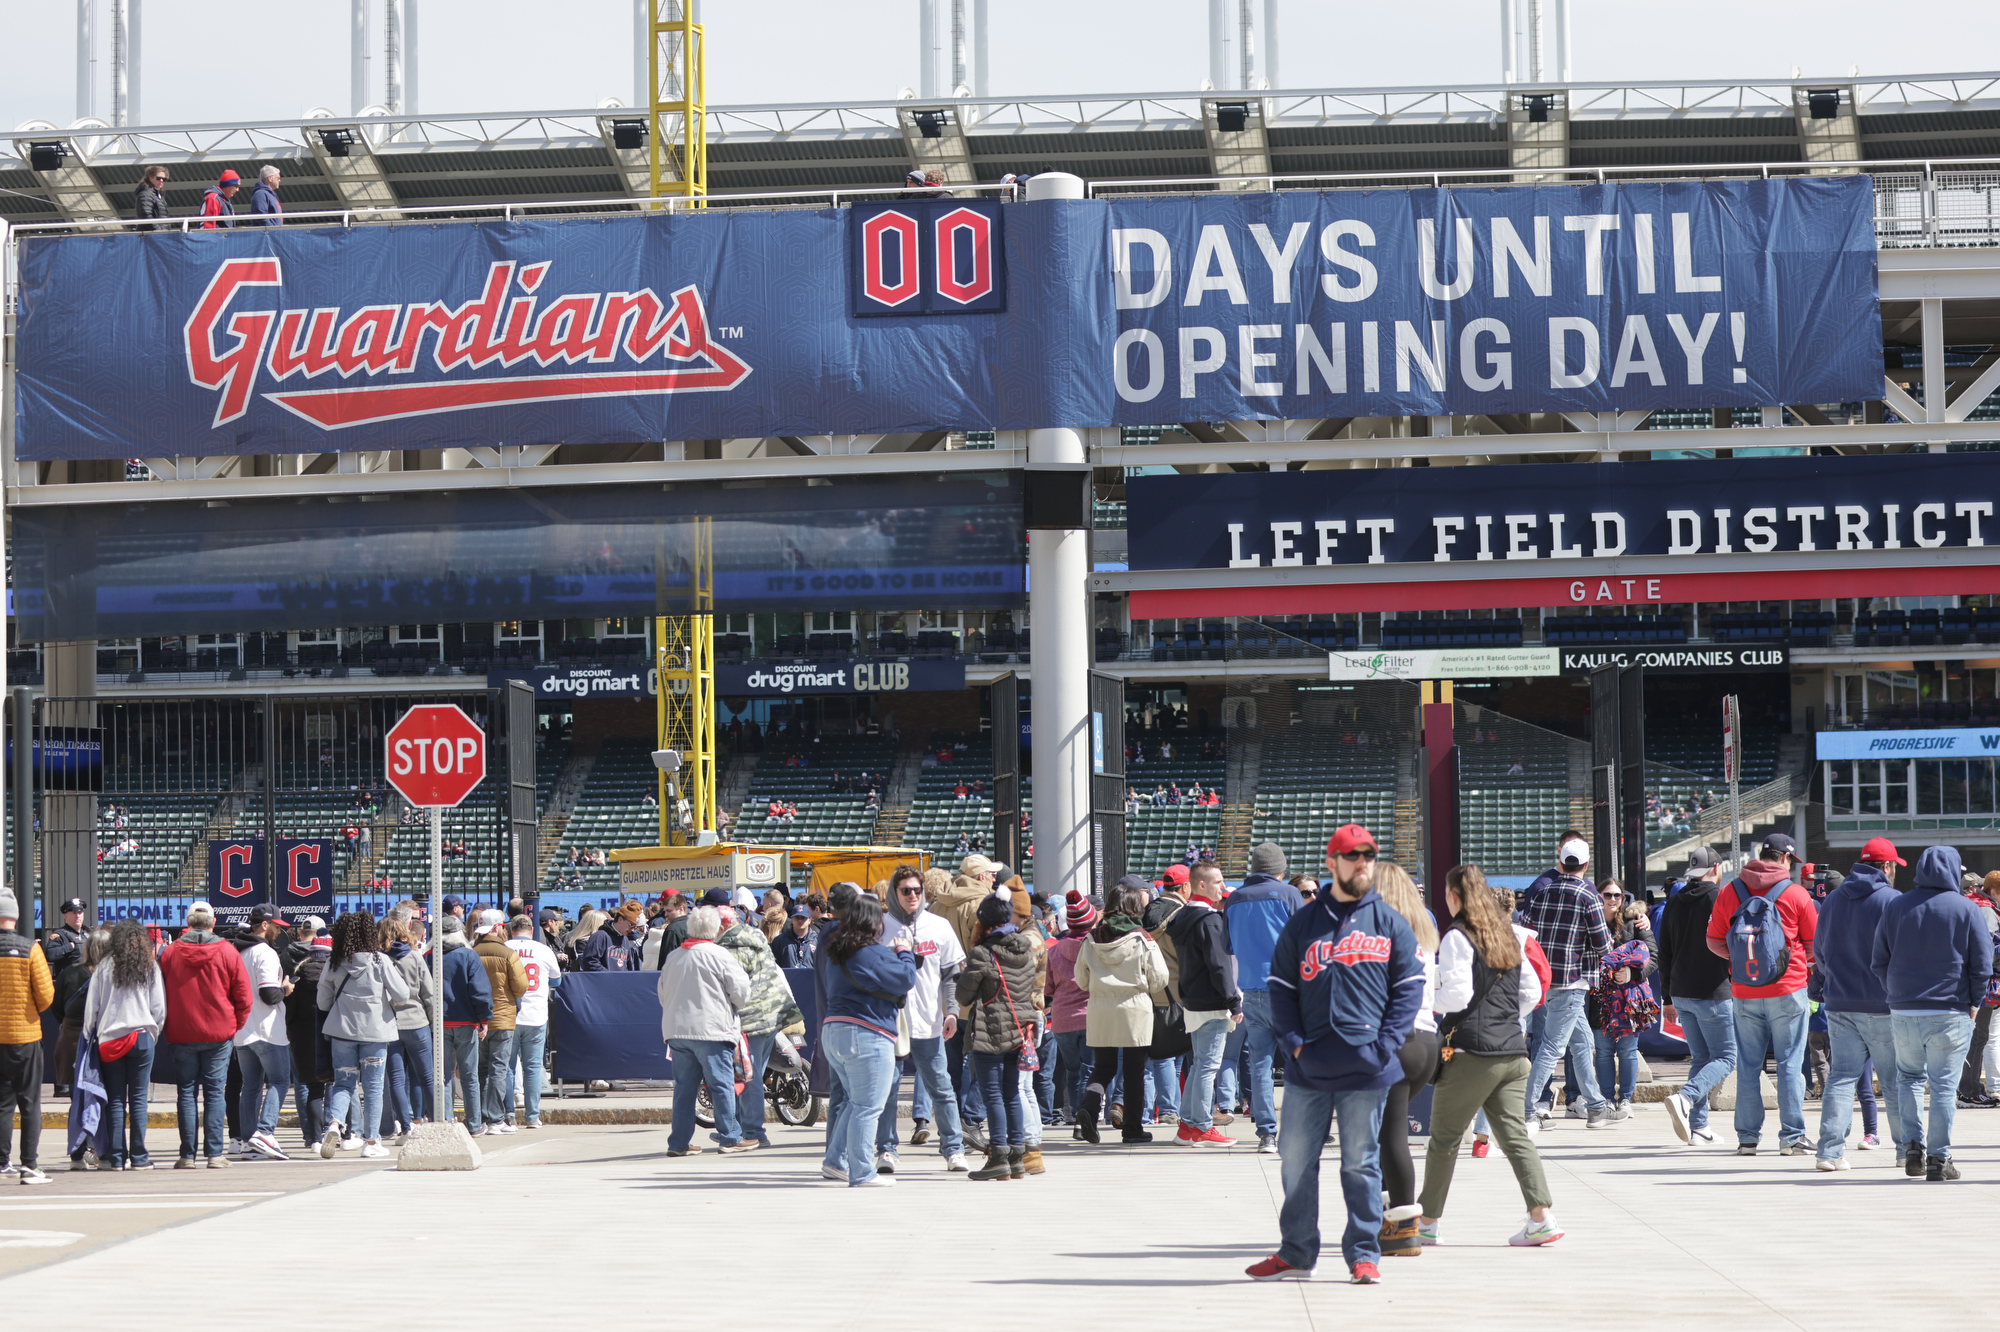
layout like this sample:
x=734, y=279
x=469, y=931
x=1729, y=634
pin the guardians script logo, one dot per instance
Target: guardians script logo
x=635, y=342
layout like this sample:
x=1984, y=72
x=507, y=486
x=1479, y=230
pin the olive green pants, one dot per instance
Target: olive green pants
x=1500, y=1085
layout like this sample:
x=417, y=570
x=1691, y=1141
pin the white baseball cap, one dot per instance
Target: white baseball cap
x=490, y=921
x=1575, y=851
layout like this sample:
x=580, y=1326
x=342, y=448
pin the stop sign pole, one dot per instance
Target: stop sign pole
x=436, y=756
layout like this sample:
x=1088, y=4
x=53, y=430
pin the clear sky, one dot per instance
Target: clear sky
x=223, y=60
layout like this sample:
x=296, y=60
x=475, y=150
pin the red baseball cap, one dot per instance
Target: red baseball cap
x=1175, y=874
x=1883, y=850
x=1348, y=837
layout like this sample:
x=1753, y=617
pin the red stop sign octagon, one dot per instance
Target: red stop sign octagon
x=436, y=755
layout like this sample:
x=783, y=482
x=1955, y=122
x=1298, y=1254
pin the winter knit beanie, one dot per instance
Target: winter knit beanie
x=1268, y=858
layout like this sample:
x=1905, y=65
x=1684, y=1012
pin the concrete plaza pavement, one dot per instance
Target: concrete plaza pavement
x=1157, y=1236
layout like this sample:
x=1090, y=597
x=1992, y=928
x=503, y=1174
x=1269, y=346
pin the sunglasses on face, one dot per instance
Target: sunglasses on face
x=1612, y=897
x=911, y=890
x=1369, y=854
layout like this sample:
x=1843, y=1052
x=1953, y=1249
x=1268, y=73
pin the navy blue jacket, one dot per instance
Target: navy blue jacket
x=468, y=992
x=1254, y=916
x=1345, y=987
x=1932, y=950
x=1844, y=946
x=853, y=990
x=264, y=201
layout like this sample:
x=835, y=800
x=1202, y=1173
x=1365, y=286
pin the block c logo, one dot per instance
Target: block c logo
x=239, y=870
x=306, y=869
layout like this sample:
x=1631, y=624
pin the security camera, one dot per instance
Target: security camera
x=667, y=760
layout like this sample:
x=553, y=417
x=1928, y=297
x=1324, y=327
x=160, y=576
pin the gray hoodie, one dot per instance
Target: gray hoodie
x=359, y=995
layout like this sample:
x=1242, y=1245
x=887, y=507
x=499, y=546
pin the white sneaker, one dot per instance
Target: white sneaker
x=1544, y=1231
x=956, y=1163
x=1577, y=1110
x=885, y=1163
x=266, y=1145
x=373, y=1150
x=329, y=1144
x=879, y=1182
x=237, y=1148
x=30, y=1175
x=502, y=1127
x=350, y=1143
x=1534, y=1126
x=1677, y=1115
x=833, y=1172
x=1700, y=1138
x=1832, y=1163
x=1624, y=1109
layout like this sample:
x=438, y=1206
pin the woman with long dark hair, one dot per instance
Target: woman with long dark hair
x=125, y=1009
x=1125, y=975
x=866, y=983
x=358, y=992
x=1419, y=1059
x=1485, y=990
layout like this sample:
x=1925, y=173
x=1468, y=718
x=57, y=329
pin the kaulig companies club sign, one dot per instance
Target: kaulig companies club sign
x=893, y=317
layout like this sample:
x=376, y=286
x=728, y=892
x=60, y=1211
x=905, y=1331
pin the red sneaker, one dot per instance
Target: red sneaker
x=1275, y=1268
x=1212, y=1137
x=1365, y=1274
x=1480, y=1147
x=1185, y=1135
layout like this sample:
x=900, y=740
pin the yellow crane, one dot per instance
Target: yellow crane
x=677, y=120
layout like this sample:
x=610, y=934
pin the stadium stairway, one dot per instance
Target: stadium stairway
x=388, y=818
x=893, y=819
x=562, y=803
x=193, y=878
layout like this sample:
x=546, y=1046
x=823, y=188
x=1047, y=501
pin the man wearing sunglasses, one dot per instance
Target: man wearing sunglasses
x=932, y=1012
x=1345, y=987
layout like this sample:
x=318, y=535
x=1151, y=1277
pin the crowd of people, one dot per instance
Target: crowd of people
x=1166, y=1001
x=337, y=1018
x=1169, y=794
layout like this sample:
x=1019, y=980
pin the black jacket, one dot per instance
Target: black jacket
x=149, y=202
x=1208, y=972
x=1687, y=969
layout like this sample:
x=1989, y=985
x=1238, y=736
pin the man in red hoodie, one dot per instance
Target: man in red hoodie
x=1769, y=1016
x=208, y=1000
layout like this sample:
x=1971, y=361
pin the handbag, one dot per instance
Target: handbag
x=1030, y=1059
x=1170, y=1033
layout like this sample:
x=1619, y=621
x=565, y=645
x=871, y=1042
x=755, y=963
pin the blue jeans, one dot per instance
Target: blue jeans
x=1565, y=1031
x=1204, y=1062
x=1164, y=1094
x=362, y=1064
x=461, y=1050
x=920, y=1094
x=750, y=1111
x=415, y=1043
x=1930, y=1047
x=929, y=1075
x=267, y=1071
x=1308, y=1114
x=1073, y=1054
x=201, y=1069
x=1227, y=1083
x=1710, y=1028
x=836, y=1115
x=863, y=1064
x=496, y=1083
x=1000, y=1084
x=1617, y=1063
x=696, y=1062
x=1853, y=1039
x=531, y=1043
x=396, y=1081
x=1262, y=1042
x=126, y=1082
x=1777, y=1025
x=309, y=1099
x=1043, y=1080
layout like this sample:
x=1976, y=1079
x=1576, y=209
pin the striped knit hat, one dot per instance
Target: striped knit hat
x=1080, y=913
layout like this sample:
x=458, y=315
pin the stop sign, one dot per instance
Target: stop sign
x=436, y=754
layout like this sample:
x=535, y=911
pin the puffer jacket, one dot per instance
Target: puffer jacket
x=359, y=995
x=507, y=977
x=26, y=988
x=771, y=1005
x=999, y=1025
x=959, y=908
x=1126, y=979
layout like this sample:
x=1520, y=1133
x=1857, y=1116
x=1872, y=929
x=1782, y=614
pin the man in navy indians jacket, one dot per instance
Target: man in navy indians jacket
x=1345, y=989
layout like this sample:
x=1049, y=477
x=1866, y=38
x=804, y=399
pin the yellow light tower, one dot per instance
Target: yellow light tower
x=678, y=117
x=684, y=654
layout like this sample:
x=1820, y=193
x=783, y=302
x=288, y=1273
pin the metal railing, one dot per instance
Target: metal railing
x=1919, y=202
x=1757, y=805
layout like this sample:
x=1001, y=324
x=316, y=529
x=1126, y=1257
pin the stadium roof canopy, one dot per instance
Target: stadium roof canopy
x=1137, y=141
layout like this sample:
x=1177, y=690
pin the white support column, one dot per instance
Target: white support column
x=1934, y=376
x=1221, y=45
x=1562, y=41
x=132, y=64
x=1059, y=572
x=980, y=86
x=409, y=57
x=642, y=36
x=86, y=58
x=1537, y=11
x=930, y=42
x=358, y=56
x=1509, y=60
x=1271, y=43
